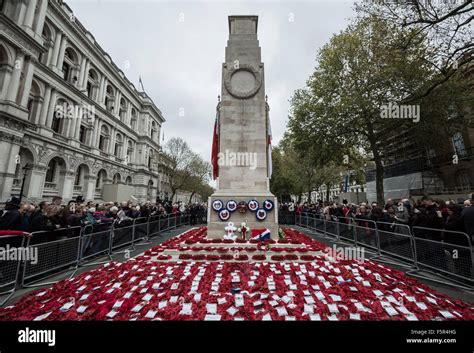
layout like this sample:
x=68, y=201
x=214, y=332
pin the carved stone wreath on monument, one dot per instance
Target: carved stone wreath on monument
x=243, y=82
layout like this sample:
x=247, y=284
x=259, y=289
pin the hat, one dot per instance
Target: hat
x=13, y=201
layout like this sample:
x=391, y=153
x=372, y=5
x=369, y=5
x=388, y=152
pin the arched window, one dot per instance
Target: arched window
x=33, y=101
x=109, y=98
x=129, y=152
x=463, y=181
x=123, y=110
x=118, y=146
x=116, y=179
x=101, y=176
x=48, y=41
x=128, y=181
x=154, y=131
x=60, y=114
x=53, y=170
x=4, y=66
x=133, y=121
x=92, y=84
x=458, y=145
x=104, y=138
x=69, y=66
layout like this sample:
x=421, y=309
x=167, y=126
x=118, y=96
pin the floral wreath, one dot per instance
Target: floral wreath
x=253, y=205
x=268, y=205
x=242, y=206
x=217, y=205
x=261, y=214
x=224, y=214
x=231, y=205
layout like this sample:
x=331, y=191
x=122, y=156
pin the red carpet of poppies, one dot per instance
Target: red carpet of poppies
x=304, y=283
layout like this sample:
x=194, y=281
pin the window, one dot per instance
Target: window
x=103, y=139
x=51, y=172
x=66, y=69
x=89, y=90
x=100, y=178
x=82, y=134
x=463, y=181
x=56, y=126
x=458, y=145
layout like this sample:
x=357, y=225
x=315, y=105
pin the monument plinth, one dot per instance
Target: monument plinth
x=242, y=135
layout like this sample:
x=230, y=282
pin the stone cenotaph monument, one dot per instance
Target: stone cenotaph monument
x=241, y=155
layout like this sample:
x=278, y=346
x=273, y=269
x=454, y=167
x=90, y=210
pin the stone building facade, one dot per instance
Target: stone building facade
x=70, y=121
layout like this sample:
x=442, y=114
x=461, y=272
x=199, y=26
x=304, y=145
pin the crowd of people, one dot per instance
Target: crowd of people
x=425, y=212
x=48, y=216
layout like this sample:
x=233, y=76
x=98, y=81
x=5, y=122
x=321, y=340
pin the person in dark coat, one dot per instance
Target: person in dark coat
x=10, y=217
x=467, y=217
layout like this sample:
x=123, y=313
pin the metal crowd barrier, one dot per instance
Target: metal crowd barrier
x=446, y=254
x=10, y=269
x=55, y=255
x=74, y=247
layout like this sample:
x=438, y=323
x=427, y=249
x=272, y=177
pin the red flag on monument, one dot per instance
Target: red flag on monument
x=215, y=151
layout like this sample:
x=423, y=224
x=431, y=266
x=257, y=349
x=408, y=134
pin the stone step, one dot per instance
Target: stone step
x=243, y=252
x=241, y=245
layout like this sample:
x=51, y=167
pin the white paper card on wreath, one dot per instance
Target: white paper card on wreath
x=354, y=316
x=320, y=295
x=156, y=286
x=197, y=297
x=174, y=299
x=378, y=293
x=211, y=308
x=84, y=297
x=112, y=314
x=239, y=300
x=137, y=308
x=42, y=317
x=333, y=318
x=162, y=304
x=212, y=317
x=309, y=300
x=66, y=306
x=315, y=317
x=267, y=317
x=446, y=314
x=150, y=314
x=333, y=308
x=273, y=303
x=186, y=310
x=335, y=298
x=421, y=305
x=118, y=304
x=281, y=310
x=232, y=310
x=411, y=317
x=147, y=297
x=81, y=309
x=127, y=295
x=309, y=309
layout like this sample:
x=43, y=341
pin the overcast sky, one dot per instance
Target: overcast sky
x=178, y=49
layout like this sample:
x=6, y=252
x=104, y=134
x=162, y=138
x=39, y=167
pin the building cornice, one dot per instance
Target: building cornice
x=19, y=38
